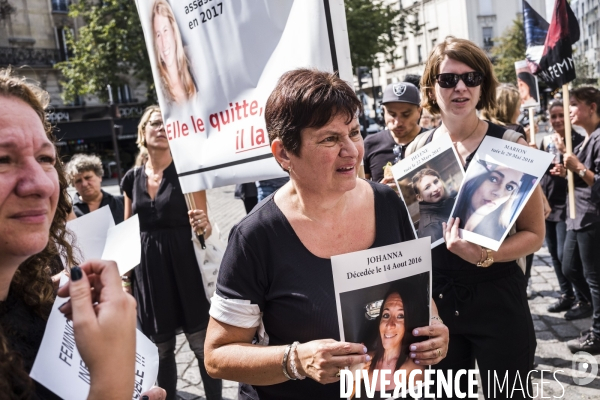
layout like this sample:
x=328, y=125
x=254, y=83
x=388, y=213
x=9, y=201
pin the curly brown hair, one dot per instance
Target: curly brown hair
x=32, y=281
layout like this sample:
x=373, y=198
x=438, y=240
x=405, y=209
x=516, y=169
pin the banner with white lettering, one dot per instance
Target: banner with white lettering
x=428, y=181
x=215, y=63
x=382, y=294
x=498, y=183
x=59, y=367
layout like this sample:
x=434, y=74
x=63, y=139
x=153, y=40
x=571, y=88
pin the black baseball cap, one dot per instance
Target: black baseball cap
x=402, y=92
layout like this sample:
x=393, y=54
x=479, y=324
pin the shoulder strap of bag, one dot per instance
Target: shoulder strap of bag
x=511, y=136
x=418, y=142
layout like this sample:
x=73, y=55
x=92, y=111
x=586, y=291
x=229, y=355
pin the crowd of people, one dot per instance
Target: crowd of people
x=272, y=321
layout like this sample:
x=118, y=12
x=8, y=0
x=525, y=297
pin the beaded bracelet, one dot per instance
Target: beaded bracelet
x=293, y=361
x=284, y=362
x=437, y=319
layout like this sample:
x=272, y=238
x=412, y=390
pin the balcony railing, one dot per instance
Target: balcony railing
x=18, y=56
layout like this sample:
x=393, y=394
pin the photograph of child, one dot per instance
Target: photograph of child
x=429, y=191
x=527, y=85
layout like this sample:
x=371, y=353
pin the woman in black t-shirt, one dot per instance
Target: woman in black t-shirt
x=275, y=285
x=480, y=293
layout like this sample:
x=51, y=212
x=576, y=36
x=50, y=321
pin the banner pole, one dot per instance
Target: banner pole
x=569, y=143
x=531, y=126
x=191, y=205
x=329, y=23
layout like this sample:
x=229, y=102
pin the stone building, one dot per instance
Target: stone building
x=588, y=16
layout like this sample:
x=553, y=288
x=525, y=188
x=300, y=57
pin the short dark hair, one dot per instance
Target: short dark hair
x=414, y=79
x=307, y=98
x=588, y=95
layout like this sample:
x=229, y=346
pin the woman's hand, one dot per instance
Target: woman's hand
x=199, y=222
x=558, y=170
x=559, y=143
x=104, y=321
x=433, y=350
x=572, y=163
x=322, y=360
x=155, y=393
x=466, y=250
x=547, y=208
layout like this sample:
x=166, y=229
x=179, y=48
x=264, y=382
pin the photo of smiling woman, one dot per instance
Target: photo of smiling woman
x=177, y=82
x=491, y=195
x=435, y=203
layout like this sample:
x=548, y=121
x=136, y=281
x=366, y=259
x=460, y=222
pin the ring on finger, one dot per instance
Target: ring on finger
x=439, y=352
x=337, y=375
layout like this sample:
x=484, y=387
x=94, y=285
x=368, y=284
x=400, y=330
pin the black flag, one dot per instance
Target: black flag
x=556, y=67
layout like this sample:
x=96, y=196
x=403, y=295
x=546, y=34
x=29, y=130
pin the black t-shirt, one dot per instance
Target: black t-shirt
x=379, y=150
x=266, y=263
x=115, y=203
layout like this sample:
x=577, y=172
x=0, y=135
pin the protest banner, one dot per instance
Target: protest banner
x=59, y=366
x=498, y=182
x=382, y=294
x=428, y=181
x=95, y=235
x=529, y=92
x=215, y=62
x=557, y=68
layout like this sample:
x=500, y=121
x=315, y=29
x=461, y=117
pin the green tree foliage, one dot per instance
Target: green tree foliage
x=106, y=50
x=584, y=71
x=510, y=47
x=374, y=27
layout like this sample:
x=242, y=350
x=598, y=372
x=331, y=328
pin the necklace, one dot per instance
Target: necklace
x=471, y=134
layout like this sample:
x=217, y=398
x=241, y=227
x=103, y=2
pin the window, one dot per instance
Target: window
x=433, y=43
x=488, y=35
x=419, y=54
x=61, y=42
x=405, y=54
x=60, y=5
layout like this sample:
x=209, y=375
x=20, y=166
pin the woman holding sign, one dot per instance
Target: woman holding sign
x=275, y=286
x=581, y=256
x=469, y=280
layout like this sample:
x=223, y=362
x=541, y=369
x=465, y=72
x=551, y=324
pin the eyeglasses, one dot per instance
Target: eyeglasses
x=156, y=125
x=471, y=79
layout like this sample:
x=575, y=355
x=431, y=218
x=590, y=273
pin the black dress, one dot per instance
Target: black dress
x=167, y=283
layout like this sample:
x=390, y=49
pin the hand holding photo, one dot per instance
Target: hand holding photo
x=428, y=181
x=493, y=194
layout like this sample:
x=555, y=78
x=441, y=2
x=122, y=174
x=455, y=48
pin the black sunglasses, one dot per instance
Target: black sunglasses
x=471, y=79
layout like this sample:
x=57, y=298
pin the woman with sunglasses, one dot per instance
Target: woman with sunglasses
x=470, y=281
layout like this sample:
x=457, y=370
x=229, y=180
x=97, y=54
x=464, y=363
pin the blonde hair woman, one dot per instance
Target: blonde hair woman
x=508, y=108
x=177, y=81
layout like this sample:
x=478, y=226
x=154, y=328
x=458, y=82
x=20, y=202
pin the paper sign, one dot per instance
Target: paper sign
x=216, y=62
x=97, y=236
x=374, y=285
x=498, y=183
x=123, y=244
x=428, y=181
x=59, y=367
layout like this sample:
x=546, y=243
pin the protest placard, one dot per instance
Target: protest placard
x=382, y=294
x=527, y=84
x=498, y=183
x=215, y=62
x=59, y=367
x=428, y=181
x=96, y=236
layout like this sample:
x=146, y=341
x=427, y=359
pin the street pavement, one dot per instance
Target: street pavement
x=552, y=330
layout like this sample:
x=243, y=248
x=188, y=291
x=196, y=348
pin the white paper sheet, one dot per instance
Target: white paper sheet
x=59, y=367
x=123, y=244
x=97, y=236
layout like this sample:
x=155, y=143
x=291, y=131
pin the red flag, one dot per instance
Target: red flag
x=556, y=66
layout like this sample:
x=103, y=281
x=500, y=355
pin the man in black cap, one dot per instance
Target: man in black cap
x=402, y=110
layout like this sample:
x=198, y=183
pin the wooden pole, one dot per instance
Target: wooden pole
x=569, y=143
x=531, y=125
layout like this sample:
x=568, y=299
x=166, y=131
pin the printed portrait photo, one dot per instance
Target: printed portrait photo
x=491, y=198
x=383, y=318
x=527, y=84
x=429, y=192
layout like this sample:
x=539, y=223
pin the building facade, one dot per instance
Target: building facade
x=32, y=41
x=588, y=16
x=477, y=20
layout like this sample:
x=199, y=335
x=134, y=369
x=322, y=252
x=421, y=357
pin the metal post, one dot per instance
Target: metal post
x=113, y=113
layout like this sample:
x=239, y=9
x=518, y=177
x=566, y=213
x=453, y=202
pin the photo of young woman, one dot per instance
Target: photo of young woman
x=435, y=203
x=490, y=197
x=176, y=79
